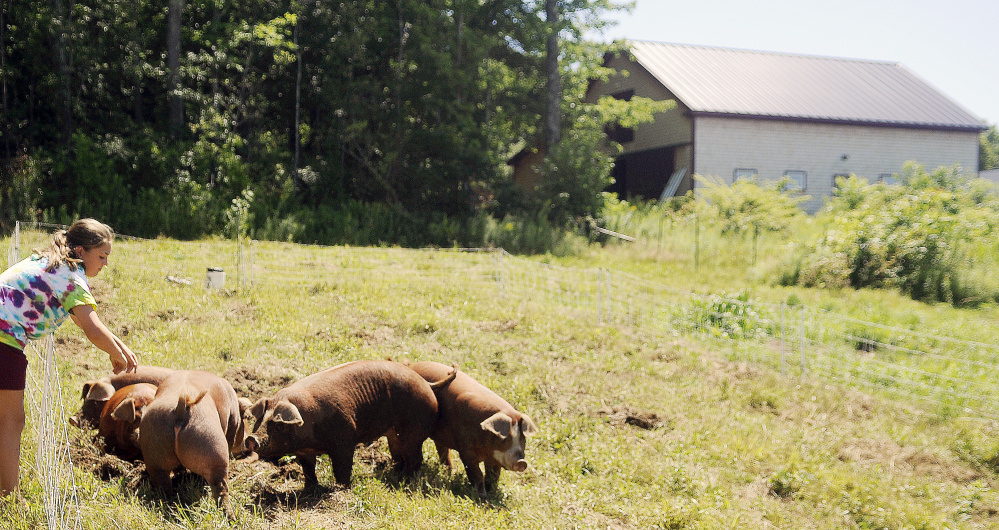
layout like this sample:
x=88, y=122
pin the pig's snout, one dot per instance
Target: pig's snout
x=519, y=461
x=514, y=459
x=252, y=443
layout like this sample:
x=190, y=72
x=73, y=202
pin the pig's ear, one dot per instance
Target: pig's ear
x=499, y=424
x=256, y=410
x=287, y=412
x=125, y=411
x=86, y=389
x=244, y=405
x=99, y=391
x=527, y=425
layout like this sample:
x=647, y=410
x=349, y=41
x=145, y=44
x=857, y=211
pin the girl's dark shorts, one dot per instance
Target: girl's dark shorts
x=13, y=368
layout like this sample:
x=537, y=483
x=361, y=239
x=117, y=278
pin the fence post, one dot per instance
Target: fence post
x=801, y=343
x=240, y=264
x=697, y=242
x=783, y=327
x=498, y=264
x=660, y=240
x=15, y=249
x=607, y=292
x=600, y=319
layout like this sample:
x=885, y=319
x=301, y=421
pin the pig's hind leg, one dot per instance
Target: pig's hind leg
x=407, y=452
x=443, y=454
x=220, y=491
x=161, y=479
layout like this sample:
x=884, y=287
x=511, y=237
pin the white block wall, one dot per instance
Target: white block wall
x=772, y=147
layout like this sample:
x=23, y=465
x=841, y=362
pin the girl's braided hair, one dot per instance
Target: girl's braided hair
x=86, y=233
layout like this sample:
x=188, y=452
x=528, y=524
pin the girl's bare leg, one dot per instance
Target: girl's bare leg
x=11, y=425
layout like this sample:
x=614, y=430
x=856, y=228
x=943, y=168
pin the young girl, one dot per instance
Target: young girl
x=36, y=296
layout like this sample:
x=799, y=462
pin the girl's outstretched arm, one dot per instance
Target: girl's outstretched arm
x=122, y=358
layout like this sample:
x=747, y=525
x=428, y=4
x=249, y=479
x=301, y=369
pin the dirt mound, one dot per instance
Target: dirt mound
x=254, y=382
x=623, y=415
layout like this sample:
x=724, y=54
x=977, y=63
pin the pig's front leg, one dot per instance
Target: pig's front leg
x=308, y=463
x=472, y=470
x=342, y=461
x=493, y=471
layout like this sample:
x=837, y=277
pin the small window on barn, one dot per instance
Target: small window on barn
x=836, y=177
x=889, y=179
x=743, y=173
x=797, y=180
x=614, y=131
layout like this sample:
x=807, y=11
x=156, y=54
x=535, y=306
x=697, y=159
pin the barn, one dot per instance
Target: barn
x=771, y=116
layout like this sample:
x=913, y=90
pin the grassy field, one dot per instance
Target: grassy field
x=640, y=426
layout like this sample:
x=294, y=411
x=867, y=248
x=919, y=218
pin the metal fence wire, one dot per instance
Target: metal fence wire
x=935, y=371
x=47, y=419
x=927, y=369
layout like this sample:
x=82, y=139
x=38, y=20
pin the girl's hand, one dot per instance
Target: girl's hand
x=122, y=358
x=124, y=361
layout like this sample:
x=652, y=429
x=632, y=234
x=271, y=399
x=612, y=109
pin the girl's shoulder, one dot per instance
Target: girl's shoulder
x=22, y=273
x=32, y=273
x=31, y=263
x=36, y=266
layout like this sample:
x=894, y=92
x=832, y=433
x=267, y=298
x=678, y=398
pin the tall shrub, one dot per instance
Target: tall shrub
x=917, y=237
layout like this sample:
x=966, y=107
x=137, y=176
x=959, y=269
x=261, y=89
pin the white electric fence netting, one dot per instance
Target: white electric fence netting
x=43, y=399
x=945, y=373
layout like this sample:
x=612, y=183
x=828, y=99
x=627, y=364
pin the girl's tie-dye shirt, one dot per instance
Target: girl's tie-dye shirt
x=33, y=303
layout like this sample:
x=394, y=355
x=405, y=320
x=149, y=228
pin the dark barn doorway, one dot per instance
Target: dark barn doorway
x=644, y=174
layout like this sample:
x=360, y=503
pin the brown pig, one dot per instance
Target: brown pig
x=332, y=411
x=96, y=393
x=119, y=423
x=194, y=422
x=479, y=424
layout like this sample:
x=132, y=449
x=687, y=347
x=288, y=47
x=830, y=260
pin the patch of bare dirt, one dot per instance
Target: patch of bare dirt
x=87, y=454
x=666, y=353
x=377, y=335
x=254, y=382
x=240, y=311
x=102, y=291
x=623, y=415
x=278, y=489
x=907, y=459
x=503, y=326
x=374, y=456
x=168, y=315
x=719, y=370
x=74, y=349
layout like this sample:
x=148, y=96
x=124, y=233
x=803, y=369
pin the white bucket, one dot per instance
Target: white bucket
x=215, y=278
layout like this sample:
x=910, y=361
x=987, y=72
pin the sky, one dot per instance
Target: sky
x=951, y=44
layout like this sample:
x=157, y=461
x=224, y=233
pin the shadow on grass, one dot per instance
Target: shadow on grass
x=434, y=478
x=274, y=488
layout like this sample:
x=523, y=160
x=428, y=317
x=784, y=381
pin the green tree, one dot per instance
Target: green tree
x=300, y=111
x=988, y=157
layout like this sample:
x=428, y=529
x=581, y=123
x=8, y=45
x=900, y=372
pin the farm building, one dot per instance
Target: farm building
x=991, y=175
x=766, y=115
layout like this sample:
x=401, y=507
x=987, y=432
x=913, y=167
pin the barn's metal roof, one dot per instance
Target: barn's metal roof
x=725, y=81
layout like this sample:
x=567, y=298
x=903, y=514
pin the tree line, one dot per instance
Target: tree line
x=356, y=121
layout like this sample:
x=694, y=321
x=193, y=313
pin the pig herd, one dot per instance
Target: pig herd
x=190, y=419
